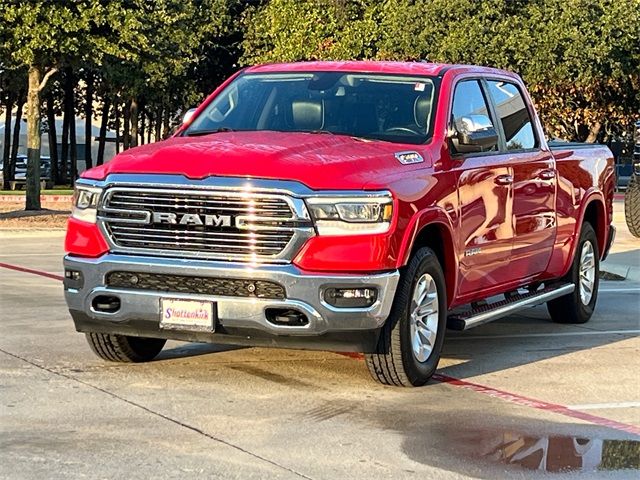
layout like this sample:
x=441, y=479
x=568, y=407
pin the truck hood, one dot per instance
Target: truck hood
x=320, y=161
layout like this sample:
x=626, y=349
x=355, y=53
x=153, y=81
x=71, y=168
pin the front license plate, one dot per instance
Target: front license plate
x=187, y=315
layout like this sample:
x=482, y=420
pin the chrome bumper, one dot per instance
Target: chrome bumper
x=238, y=314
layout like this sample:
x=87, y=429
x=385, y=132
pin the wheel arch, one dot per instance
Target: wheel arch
x=594, y=212
x=433, y=229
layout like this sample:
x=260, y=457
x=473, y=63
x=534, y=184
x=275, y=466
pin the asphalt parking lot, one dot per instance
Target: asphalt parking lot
x=512, y=399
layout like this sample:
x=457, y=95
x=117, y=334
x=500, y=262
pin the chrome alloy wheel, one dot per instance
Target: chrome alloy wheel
x=587, y=272
x=424, y=317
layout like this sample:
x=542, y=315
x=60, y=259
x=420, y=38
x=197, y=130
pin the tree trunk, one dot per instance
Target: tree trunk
x=594, y=130
x=11, y=169
x=133, y=115
x=117, y=114
x=142, y=125
x=103, y=129
x=6, y=154
x=33, y=140
x=126, y=135
x=53, y=140
x=64, y=149
x=73, y=144
x=88, y=113
x=149, y=127
x=165, y=123
x=70, y=107
x=158, y=124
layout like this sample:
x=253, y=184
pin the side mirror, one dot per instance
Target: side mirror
x=188, y=115
x=474, y=133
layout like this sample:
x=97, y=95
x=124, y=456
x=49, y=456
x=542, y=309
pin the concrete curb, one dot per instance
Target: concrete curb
x=43, y=198
x=629, y=273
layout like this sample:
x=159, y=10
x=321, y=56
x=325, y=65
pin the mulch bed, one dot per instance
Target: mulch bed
x=14, y=217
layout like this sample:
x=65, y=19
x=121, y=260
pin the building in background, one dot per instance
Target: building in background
x=109, y=148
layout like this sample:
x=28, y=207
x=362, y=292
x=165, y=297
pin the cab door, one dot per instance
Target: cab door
x=485, y=195
x=534, y=180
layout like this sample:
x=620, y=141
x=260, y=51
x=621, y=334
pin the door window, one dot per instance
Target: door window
x=468, y=100
x=514, y=115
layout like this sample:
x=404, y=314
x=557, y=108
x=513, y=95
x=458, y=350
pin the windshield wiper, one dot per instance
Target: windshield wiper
x=195, y=133
x=320, y=132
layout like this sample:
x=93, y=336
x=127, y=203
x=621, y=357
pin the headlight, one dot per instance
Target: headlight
x=85, y=203
x=358, y=215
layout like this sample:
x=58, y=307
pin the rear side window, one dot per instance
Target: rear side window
x=514, y=115
x=468, y=100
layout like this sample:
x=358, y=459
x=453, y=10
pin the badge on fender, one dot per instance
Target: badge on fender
x=408, y=158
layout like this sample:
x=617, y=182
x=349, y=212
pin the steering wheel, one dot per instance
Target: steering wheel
x=402, y=130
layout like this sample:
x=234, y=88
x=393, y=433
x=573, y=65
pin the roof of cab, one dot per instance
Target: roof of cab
x=368, y=66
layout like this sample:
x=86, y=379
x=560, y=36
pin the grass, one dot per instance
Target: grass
x=55, y=191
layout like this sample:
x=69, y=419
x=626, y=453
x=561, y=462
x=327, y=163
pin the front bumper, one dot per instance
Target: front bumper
x=241, y=320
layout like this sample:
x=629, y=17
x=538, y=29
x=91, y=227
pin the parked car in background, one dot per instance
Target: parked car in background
x=354, y=206
x=20, y=178
x=632, y=194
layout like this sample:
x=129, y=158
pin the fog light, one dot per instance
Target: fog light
x=72, y=274
x=73, y=279
x=351, y=297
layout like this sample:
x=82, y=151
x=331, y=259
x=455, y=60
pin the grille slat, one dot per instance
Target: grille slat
x=191, y=243
x=245, y=211
x=270, y=214
x=203, y=198
x=182, y=236
x=269, y=236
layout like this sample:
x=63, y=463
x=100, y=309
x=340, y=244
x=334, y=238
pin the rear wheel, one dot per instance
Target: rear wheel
x=122, y=348
x=578, y=306
x=410, y=343
x=632, y=206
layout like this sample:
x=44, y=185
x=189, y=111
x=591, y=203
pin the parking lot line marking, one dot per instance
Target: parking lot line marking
x=537, y=404
x=42, y=273
x=619, y=290
x=551, y=334
x=603, y=406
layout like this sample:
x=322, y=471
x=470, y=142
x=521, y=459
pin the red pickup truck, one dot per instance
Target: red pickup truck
x=346, y=206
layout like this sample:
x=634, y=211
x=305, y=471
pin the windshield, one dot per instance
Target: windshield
x=393, y=108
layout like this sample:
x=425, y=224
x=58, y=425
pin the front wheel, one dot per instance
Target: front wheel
x=408, y=350
x=578, y=306
x=123, y=348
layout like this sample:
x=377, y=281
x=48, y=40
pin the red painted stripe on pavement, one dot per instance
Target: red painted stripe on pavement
x=538, y=404
x=526, y=401
x=18, y=268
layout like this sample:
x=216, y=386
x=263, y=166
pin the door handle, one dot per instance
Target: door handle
x=504, y=180
x=548, y=174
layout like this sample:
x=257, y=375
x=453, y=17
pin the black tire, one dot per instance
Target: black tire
x=570, y=308
x=122, y=348
x=632, y=206
x=393, y=362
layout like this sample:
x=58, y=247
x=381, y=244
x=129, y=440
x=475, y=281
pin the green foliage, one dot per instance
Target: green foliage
x=580, y=58
x=291, y=30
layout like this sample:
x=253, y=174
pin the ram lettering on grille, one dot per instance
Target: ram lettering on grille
x=208, y=224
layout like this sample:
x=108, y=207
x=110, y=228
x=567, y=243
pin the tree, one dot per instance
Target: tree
x=580, y=58
x=39, y=34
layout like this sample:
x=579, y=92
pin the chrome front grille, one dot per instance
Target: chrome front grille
x=226, y=225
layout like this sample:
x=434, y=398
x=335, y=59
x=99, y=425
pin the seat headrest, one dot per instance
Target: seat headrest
x=422, y=110
x=308, y=114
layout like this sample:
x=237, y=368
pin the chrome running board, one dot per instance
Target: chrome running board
x=494, y=311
